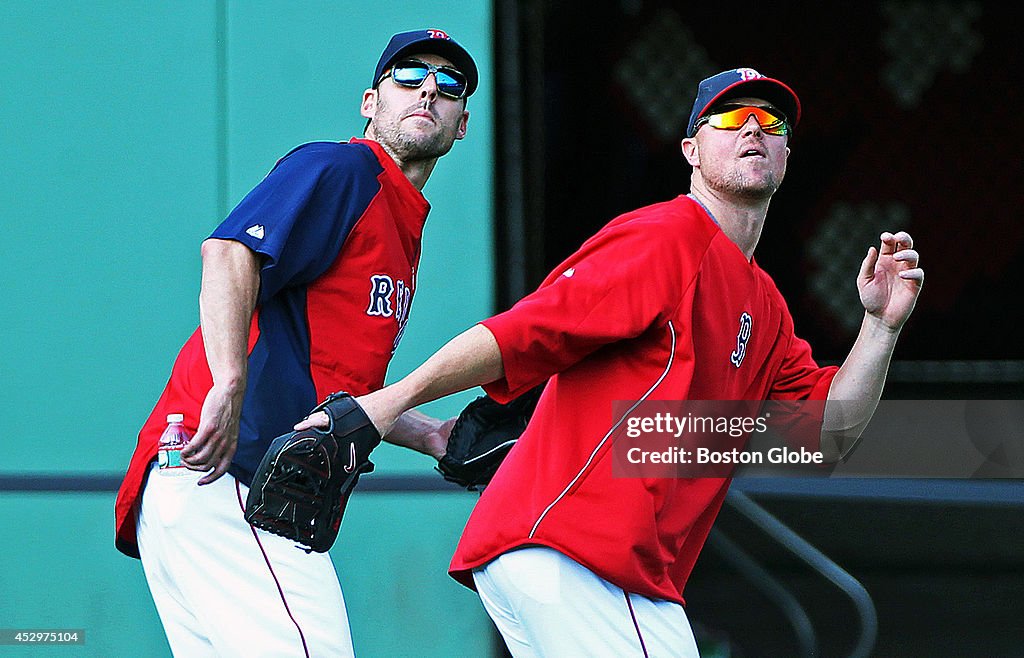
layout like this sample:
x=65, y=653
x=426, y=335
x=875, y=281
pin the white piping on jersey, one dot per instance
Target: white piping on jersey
x=504, y=444
x=593, y=455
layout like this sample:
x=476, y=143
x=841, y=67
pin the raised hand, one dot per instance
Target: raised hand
x=890, y=279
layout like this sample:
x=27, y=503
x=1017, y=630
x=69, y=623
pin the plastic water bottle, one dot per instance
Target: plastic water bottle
x=172, y=441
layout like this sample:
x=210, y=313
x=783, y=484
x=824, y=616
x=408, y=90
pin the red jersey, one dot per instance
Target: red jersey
x=338, y=228
x=650, y=308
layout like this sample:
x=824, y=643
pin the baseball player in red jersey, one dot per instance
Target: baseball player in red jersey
x=664, y=303
x=306, y=289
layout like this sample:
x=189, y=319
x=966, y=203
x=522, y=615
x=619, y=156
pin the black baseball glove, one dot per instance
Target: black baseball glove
x=303, y=483
x=482, y=435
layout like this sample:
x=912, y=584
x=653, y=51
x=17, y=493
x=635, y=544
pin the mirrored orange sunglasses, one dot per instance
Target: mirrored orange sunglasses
x=732, y=117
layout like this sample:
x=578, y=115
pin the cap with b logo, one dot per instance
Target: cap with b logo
x=434, y=42
x=747, y=83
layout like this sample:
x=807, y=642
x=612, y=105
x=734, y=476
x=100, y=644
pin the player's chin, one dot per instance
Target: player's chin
x=756, y=191
x=429, y=147
x=762, y=184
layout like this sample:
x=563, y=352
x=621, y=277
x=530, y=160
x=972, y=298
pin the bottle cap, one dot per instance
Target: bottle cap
x=175, y=418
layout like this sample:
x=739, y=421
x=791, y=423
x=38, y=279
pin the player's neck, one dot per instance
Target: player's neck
x=417, y=171
x=740, y=219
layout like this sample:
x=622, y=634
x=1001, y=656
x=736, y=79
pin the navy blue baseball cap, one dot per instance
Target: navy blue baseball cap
x=434, y=42
x=737, y=83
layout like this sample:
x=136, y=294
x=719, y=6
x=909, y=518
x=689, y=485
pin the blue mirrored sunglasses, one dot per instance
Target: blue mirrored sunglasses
x=451, y=83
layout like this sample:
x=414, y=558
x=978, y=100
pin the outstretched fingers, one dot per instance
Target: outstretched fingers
x=908, y=257
x=909, y=261
x=914, y=274
x=867, y=266
x=893, y=242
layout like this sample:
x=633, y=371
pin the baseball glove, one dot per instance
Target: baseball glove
x=303, y=483
x=482, y=435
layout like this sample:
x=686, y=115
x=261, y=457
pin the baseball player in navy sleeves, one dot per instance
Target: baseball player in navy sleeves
x=664, y=303
x=306, y=290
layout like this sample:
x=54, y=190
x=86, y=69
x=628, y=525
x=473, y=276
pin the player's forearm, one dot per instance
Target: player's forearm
x=470, y=359
x=227, y=298
x=857, y=387
x=420, y=432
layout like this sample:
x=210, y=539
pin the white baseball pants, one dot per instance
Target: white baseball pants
x=223, y=588
x=546, y=605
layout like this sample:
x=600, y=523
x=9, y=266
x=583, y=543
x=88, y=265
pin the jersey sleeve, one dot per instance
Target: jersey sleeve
x=623, y=281
x=300, y=214
x=800, y=377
